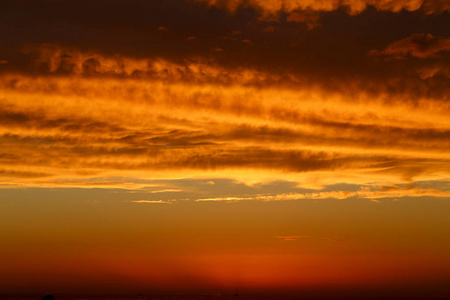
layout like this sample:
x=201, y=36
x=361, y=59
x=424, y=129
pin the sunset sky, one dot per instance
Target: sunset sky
x=297, y=147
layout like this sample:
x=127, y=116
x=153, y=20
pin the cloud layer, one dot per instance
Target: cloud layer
x=275, y=103
x=196, y=146
x=354, y=6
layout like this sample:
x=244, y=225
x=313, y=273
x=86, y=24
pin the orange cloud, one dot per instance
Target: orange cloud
x=152, y=202
x=147, y=132
x=57, y=59
x=101, y=118
x=291, y=237
x=354, y=6
x=365, y=193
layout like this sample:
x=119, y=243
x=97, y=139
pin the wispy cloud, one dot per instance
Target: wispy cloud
x=153, y=201
x=372, y=193
x=166, y=191
x=296, y=237
x=292, y=237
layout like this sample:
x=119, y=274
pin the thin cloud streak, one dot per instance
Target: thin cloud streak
x=292, y=237
x=152, y=201
x=364, y=193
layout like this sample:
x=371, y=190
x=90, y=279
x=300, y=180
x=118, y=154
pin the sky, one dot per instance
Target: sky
x=295, y=147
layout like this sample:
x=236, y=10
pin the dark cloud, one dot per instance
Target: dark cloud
x=417, y=45
x=310, y=18
x=356, y=135
x=41, y=122
x=22, y=174
x=353, y=6
x=130, y=29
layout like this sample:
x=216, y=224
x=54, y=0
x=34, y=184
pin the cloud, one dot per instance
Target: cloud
x=368, y=192
x=434, y=70
x=290, y=55
x=418, y=45
x=292, y=237
x=166, y=191
x=354, y=6
x=296, y=237
x=282, y=197
x=53, y=58
x=109, y=114
x=22, y=174
x=216, y=49
x=269, y=29
x=90, y=134
x=65, y=61
x=153, y=201
x=273, y=100
x=310, y=18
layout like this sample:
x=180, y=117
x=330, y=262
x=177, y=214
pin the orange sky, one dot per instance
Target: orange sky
x=275, y=147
